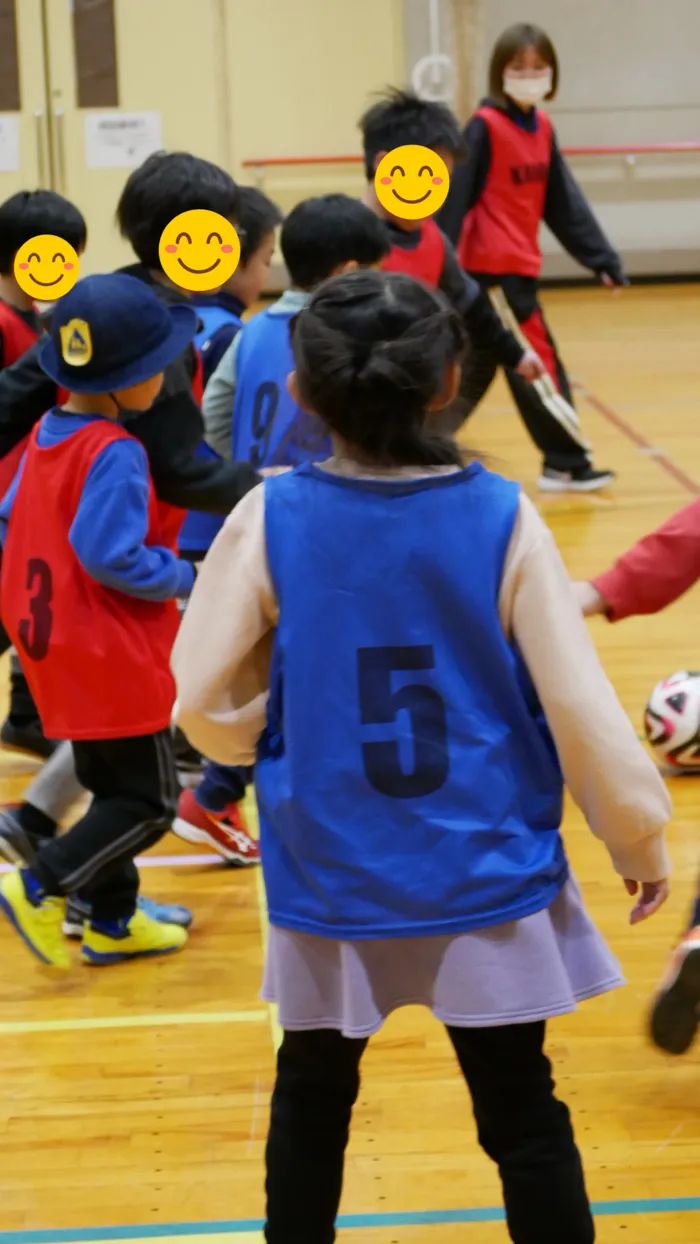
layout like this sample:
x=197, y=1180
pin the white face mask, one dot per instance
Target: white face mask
x=529, y=90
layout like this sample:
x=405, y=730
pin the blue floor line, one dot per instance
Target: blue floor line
x=408, y=1218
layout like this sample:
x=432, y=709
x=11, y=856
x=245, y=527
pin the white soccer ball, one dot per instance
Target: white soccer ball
x=672, y=720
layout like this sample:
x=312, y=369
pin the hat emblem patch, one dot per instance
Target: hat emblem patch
x=76, y=343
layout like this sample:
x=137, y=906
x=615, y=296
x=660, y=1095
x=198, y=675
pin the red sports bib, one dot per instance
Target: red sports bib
x=500, y=233
x=97, y=661
x=424, y=261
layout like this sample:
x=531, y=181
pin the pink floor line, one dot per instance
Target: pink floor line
x=160, y=861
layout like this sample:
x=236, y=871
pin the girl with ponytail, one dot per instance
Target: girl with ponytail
x=392, y=638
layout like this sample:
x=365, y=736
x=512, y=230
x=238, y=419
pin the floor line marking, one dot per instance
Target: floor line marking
x=154, y=1020
x=406, y=1218
x=160, y=861
x=637, y=438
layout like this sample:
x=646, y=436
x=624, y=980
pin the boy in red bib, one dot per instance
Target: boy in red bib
x=90, y=575
x=418, y=247
x=514, y=177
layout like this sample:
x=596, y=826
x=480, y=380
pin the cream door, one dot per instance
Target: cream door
x=24, y=138
x=168, y=91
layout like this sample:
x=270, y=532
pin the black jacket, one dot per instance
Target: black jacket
x=566, y=210
x=169, y=431
x=469, y=300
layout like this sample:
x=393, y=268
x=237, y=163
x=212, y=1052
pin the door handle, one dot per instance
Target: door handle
x=41, y=147
x=59, y=116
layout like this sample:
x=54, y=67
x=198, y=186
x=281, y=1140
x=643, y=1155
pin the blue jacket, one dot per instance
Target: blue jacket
x=406, y=780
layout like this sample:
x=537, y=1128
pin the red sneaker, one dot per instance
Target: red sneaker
x=225, y=831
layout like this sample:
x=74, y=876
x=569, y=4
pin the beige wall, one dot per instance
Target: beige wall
x=300, y=74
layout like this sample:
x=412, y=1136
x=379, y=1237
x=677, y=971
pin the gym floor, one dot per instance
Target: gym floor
x=134, y=1099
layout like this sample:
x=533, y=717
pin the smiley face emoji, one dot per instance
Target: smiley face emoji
x=411, y=182
x=199, y=250
x=46, y=267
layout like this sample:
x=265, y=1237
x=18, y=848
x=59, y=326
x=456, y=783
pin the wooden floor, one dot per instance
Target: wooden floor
x=136, y=1096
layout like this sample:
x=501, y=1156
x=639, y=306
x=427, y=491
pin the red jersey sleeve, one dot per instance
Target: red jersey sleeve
x=657, y=570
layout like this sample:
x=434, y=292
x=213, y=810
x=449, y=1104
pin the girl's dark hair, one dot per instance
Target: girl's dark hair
x=256, y=217
x=167, y=183
x=30, y=212
x=371, y=351
x=513, y=40
x=402, y=117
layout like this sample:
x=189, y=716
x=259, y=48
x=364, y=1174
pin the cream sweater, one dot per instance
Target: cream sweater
x=222, y=655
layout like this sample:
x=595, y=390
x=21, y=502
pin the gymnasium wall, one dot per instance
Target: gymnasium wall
x=629, y=75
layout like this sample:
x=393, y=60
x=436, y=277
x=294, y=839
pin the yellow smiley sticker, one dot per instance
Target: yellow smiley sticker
x=199, y=250
x=46, y=267
x=411, y=182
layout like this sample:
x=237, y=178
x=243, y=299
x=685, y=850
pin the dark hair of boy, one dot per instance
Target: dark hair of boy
x=320, y=234
x=30, y=212
x=373, y=353
x=514, y=40
x=256, y=217
x=166, y=184
x=401, y=117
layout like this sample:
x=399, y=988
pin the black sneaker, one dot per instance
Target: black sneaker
x=28, y=737
x=14, y=843
x=581, y=479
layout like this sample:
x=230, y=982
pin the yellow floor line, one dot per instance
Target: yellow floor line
x=252, y=816
x=154, y=1020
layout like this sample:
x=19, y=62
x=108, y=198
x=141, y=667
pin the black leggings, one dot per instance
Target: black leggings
x=520, y=1123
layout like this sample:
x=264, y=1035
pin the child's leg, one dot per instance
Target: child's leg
x=222, y=785
x=134, y=787
x=22, y=729
x=526, y=1132
x=318, y=1079
x=561, y=452
x=212, y=815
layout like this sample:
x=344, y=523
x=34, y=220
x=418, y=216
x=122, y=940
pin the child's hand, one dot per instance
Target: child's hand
x=589, y=599
x=530, y=366
x=652, y=896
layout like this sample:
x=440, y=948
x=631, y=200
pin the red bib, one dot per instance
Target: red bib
x=424, y=261
x=500, y=233
x=97, y=661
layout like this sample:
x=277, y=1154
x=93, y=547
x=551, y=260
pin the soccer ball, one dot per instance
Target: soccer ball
x=672, y=720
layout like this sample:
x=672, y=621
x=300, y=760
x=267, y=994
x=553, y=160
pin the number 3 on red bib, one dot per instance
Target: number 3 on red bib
x=35, y=632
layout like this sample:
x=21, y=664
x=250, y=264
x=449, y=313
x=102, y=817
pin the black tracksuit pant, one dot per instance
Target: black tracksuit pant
x=135, y=790
x=558, y=448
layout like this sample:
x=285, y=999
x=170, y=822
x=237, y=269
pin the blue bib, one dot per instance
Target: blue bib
x=406, y=780
x=212, y=318
x=269, y=429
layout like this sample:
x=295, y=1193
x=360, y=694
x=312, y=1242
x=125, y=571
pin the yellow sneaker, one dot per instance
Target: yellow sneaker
x=139, y=936
x=37, y=920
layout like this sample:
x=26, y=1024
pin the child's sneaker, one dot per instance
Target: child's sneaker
x=225, y=831
x=139, y=936
x=674, y=1016
x=36, y=916
x=581, y=479
x=79, y=912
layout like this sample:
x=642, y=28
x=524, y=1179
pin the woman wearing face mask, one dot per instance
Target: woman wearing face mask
x=514, y=176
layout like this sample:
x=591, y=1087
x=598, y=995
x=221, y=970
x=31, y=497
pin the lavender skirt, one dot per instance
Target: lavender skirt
x=525, y=970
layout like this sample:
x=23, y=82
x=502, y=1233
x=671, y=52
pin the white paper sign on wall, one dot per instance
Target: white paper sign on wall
x=9, y=143
x=121, y=139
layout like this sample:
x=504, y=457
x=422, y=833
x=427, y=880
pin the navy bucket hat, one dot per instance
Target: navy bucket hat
x=111, y=332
